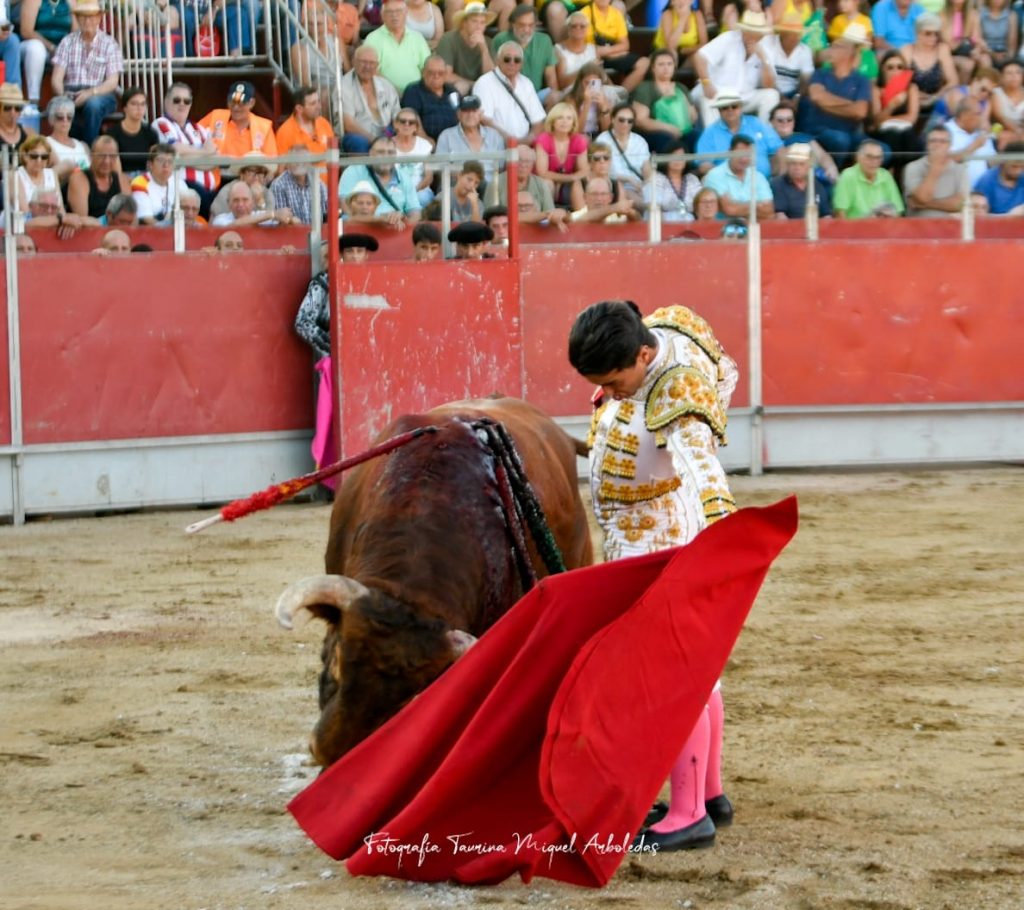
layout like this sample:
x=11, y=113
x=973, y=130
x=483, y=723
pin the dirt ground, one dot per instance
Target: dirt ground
x=153, y=717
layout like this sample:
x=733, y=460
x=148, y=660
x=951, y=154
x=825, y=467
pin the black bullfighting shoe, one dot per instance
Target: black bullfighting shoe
x=698, y=836
x=720, y=810
x=658, y=811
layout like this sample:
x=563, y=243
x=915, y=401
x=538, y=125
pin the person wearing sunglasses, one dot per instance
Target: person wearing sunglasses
x=895, y=107
x=12, y=103
x=69, y=153
x=410, y=141
x=631, y=155
x=509, y=101
x=539, y=59
x=930, y=60
x=35, y=172
x=189, y=140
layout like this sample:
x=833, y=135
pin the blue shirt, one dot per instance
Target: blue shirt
x=1001, y=198
x=400, y=189
x=793, y=201
x=891, y=26
x=716, y=138
x=724, y=182
x=854, y=87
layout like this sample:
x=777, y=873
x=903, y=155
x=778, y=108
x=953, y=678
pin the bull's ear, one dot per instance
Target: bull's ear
x=460, y=642
x=325, y=596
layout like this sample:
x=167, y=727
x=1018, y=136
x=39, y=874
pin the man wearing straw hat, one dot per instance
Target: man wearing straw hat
x=791, y=59
x=87, y=66
x=839, y=99
x=465, y=48
x=737, y=58
x=789, y=190
x=12, y=103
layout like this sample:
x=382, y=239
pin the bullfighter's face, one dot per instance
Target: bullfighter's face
x=624, y=383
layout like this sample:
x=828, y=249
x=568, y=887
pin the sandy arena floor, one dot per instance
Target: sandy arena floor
x=153, y=717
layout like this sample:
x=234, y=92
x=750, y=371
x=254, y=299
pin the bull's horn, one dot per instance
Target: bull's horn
x=336, y=590
x=459, y=641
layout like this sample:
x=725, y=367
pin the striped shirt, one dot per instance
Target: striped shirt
x=190, y=134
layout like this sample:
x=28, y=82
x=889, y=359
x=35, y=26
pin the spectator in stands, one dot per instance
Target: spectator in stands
x=361, y=205
x=895, y=107
x=397, y=193
x=114, y=243
x=333, y=29
x=600, y=208
x=737, y=58
x=733, y=122
x=426, y=242
x=154, y=191
x=1002, y=187
x=706, y=206
x=499, y=10
x=35, y=172
x=241, y=211
x=539, y=58
x=665, y=116
x=292, y=190
x=87, y=65
x=121, y=211
x=433, y=99
x=190, y=204
x=930, y=60
x=465, y=196
x=789, y=190
x=631, y=156
x=608, y=32
x=368, y=102
x=68, y=153
x=594, y=97
x=401, y=51
x=893, y=23
x=783, y=121
x=849, y=12
x=256, y=175
x=10, y=50
x=1000, y=32
x=471, y=136
x=866, y=189
x=562, y=155
x=934, y=186
x=12, y=133
x=509, y=101
x=229, y=242
x=189, y=139
x=496, y=218
x=464, y=49
x=357, y=247
x=574, y=51
x=426, y=18
x=971, y=143
x=732, y=181
x=838, y=99
x=43, y=25
x=1008, y=100
x=674, y=190
x=961, y=32
x=981, y=86
x=45, y=209
x=133, y=135
x=233, y=16
x=682, y=30
x=90, y=191
x=409, y=141
x=236, y=130
x=305, y=126
x=791, y=59
x=471, y=239
x=24, y=245
x=599, y=160
x=527, y=182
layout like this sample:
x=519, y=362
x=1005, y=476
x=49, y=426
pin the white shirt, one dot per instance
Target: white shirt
x=637, y=152
x=499, y=106
x=155, y=201
x=574, y=62
x=728, y=65
x=788, y=67
x=976, y=164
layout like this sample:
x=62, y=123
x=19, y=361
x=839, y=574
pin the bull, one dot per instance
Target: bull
x=419, y=560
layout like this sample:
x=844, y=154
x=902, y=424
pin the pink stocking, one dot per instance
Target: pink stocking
x=713, y=779
x=687, y=780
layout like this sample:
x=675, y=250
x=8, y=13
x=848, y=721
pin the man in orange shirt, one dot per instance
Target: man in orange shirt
x=305, y=126
x=237, y=130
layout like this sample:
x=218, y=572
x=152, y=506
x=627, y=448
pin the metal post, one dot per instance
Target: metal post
x=446, y=208
x=512, y=198
x=967, y=210
x=13, y=338
x=316, y=221
x=333, y=284
x=811, y=207
x=754, y=348
x=654, y=211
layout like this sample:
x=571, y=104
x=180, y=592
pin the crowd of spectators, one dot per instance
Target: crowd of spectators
x=895, y=108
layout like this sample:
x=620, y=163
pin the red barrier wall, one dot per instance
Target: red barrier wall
x=416, y=335
x=891, y=322
x=162, y=238
x=162, y=345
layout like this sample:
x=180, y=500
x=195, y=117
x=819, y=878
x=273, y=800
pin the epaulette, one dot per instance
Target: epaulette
x=680, y=392
x=684, y=320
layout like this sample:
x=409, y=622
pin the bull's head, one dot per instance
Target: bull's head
x=377, y=654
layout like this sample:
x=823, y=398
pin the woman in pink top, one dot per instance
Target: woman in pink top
x=562, y=155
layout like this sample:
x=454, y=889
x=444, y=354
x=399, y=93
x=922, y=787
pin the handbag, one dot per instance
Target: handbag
x=207, y=41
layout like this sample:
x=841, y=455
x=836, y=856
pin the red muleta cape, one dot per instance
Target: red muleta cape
x=541, y=749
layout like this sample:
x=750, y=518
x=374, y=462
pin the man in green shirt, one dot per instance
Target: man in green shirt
x=539, y=59
x=465, y=49
x=866, y=190
x=402, y=51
